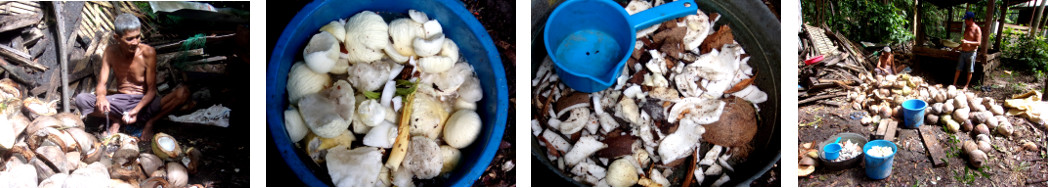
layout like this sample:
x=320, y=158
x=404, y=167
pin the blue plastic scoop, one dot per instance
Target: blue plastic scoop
x=590, y=40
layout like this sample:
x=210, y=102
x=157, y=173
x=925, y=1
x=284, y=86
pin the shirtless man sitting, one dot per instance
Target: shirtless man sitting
x=886, y=63
x=133, y=65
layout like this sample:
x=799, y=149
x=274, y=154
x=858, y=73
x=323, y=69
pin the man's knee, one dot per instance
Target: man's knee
x=84, y=100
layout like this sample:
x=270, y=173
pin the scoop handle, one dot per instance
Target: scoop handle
x=661, y=13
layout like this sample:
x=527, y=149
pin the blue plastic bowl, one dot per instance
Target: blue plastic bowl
x=459, y=24
x=832, y=151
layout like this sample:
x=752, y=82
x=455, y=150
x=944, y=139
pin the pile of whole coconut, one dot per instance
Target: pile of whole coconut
x=956, y=110
x=41, y=148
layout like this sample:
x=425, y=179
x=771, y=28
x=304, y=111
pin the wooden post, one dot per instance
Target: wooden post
x=1000, y=27
x=949, y=19
x=984, y=41
x=1036, y=19
x=62, y=57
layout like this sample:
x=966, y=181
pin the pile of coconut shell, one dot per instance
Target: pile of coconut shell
x=956, y=110
x=42, y=148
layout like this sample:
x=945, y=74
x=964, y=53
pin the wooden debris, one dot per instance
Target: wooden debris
x=8, y=23
x=932, y=145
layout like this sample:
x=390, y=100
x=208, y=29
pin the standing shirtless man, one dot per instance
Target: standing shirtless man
x=971, y=41
x=133, y=65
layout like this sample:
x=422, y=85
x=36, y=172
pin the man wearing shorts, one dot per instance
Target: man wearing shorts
x=971, y=41
x=133, y=66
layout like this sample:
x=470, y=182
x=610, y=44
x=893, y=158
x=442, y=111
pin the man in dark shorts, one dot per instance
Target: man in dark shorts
x=970, y=43
x=133, y=66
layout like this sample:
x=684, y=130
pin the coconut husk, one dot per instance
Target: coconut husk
x=149, y=162
x=154, y=182
x=55, y=158
x=69, y=120
x=194, y=156
x=716, y=40
x=131, y=173
x=570, y=100
x=736, y=127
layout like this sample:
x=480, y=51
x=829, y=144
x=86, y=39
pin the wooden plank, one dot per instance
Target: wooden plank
x=881, y=128
x=932, y=145
x=19, y=21
x=889, y=134
x=20, y=57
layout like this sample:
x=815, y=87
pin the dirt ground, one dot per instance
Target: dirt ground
x=1008, y=164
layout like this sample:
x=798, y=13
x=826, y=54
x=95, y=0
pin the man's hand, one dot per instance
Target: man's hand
x=131, y=116
x=102, y=104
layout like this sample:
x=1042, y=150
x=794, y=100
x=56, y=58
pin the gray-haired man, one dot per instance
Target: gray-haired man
x=133, y=66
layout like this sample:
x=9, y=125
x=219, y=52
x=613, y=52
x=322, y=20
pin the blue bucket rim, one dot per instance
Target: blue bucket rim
x=911, y=101
x=275, y=114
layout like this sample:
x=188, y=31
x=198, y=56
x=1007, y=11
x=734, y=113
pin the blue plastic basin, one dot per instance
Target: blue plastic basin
x=459, y=25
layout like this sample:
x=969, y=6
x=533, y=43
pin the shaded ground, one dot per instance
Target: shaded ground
x=1008, y=164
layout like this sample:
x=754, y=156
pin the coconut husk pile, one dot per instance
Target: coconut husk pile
x=39, y=147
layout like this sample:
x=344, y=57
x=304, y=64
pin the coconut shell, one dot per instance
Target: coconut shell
x=1005, y=129
x=982, y=129
x=174, y=154
x=618, y=145
x=194, y=156
x=985, y=146
x=948, y=106
x=149, y=162
x=1030, y=146
x=977, y=158
x=154, y=182
x=131, y=173
x=931, y=119
x=736, y=127
x=967, y=126
x=43, y=170
x=41, y=123
x=85, y=141
x=176, y=174
x=55, y=158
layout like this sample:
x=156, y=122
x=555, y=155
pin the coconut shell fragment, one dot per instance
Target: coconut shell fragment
x=736, y=127
x=618, y=145
x=718, y=39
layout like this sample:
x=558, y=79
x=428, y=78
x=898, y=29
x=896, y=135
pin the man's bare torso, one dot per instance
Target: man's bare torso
x=129, y=70
x=972, y=32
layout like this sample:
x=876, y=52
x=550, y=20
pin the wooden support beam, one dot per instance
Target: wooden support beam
x=931, y=144
x=984, y=42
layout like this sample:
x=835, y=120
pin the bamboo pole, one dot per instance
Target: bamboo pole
x=62, y=51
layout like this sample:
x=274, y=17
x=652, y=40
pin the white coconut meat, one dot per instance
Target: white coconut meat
x=366, y=35
x=320, y=115
x=321, y=52
x=450, y=49
x=586, y=146
x=381, y=136
x=446, y=83
x=337, y=28
x=698, y=28
x=435, y=64
x=427, y=117
x=424, y=158
x=700, y=110
x=359, y=167
x=370, y=76
x=295, y=125
x=345, y=102
x=302, y=81
x=403, y=31
x=371, y=113
x=462, y=128
x=577, y=119
x=681, y=143
x=451, y=158
x=429, y=46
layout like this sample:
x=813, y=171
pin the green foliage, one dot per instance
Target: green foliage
x=865, y=20
x=1030, y=51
